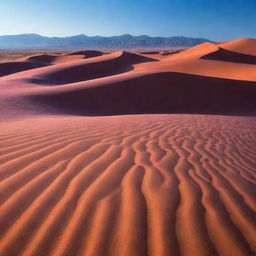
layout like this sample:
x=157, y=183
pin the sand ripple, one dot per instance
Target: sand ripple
x=129, y=185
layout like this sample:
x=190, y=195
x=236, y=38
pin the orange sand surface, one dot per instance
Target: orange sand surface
x=129, y=153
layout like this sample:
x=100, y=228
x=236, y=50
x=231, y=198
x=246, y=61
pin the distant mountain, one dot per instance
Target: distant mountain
x=36, y=42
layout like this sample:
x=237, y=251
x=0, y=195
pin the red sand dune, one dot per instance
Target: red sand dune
x=176, y=177
x=242, y=45
x=209, y=60
x=87, y=54
x=7, y=68
x=55, y=59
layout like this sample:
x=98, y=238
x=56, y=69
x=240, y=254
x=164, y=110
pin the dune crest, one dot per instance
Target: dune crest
x=55, y=59
x=242, y=45
x=196, y=51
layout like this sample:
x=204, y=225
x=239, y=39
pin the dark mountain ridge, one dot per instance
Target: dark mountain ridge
x=38, y=42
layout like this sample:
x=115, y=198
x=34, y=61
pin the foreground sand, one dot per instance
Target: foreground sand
x=76, y=180
x=129, y=185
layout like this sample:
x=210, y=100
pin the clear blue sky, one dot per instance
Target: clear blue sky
x=212, y=19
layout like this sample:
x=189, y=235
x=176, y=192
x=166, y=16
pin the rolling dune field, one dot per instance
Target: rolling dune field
x=129, y=153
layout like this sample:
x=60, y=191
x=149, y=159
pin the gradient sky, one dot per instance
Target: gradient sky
x=213, y=19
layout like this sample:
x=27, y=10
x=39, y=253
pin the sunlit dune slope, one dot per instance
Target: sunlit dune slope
x=242, y=45
x=211, y=60
x=86, y=69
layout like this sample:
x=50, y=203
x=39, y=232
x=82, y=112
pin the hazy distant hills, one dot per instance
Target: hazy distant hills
x=35, y=41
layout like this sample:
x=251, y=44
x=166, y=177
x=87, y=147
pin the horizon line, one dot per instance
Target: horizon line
x=128, y=34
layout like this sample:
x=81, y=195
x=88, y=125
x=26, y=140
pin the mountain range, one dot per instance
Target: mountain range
x=126, y=41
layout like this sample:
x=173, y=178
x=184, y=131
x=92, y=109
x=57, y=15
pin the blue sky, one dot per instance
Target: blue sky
x=213, y=19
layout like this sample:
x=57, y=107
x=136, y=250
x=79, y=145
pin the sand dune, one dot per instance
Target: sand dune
x=225, y=55
x=134, y=93
x=104, y=66
x=55, y=59
x=87, y=69
x=242, y=45
x=7, y=68
x=151, y=93
x=196, y=51
x=150, y=52
x=87, y=54
x=209, y=60
x=176, y=177
x=159, y=55
x=62, y=58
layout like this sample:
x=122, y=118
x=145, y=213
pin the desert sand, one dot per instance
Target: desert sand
x=129, y=153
